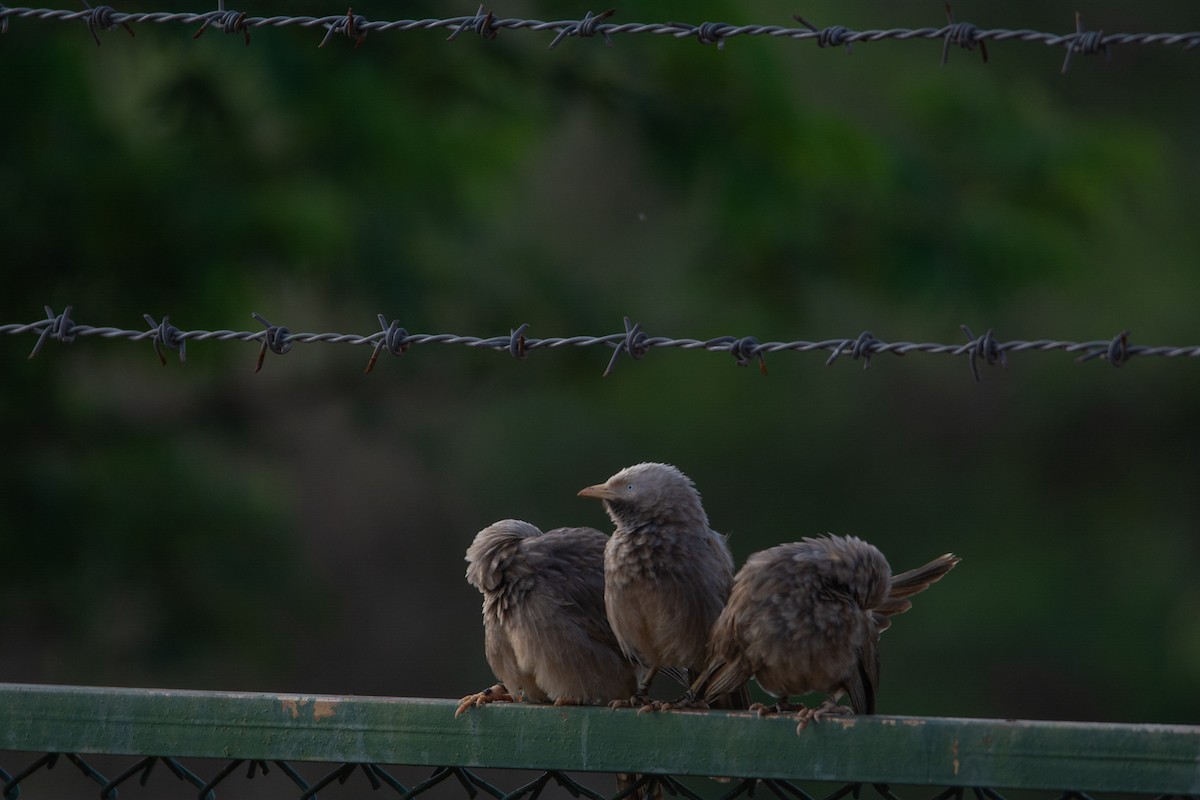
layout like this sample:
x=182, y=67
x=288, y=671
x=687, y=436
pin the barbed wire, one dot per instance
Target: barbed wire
x=487, y=25
x=633, y=342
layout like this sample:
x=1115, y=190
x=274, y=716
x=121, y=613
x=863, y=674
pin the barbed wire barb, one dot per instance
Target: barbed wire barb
x=166, y=335
x=634, y=344
x=586, y=27
x=393, y=339
x=984, y=347
x=833, y=36
x=58, y=328
x=713, y=33
x=516, y=341
x=963, y=34
x=277, y=338
x=102, y=18
x=1087, y=43
x=485, y=23
x=745, y=349
x=481, y=23
x=1116, y=353
x=353, y=25
x=865, y=346
x=225, y=21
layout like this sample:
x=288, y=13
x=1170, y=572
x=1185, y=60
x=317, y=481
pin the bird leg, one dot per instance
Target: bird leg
x=492, y=694
x=829, y=708
x=641, y=698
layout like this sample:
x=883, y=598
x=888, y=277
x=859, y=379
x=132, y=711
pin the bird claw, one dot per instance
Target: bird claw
x=827, y=709
x=653, y=706
x=493, y=694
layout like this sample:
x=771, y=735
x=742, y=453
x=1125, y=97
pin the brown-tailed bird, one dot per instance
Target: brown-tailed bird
x=806, y=617
x=667, y=575
x=545, y=634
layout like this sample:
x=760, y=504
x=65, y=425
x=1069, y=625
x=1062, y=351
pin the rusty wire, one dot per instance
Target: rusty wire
x=632, y=342
x=487, y=25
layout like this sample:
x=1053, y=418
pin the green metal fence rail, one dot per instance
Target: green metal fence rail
x=41, y=726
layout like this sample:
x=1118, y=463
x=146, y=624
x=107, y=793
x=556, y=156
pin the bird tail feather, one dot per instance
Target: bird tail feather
x=736, y=700
x=722, y=684
x=913, y=582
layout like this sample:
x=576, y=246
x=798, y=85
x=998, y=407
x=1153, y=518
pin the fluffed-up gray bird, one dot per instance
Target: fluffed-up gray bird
x=667, y=575
x=545, y=633
x=806, y=617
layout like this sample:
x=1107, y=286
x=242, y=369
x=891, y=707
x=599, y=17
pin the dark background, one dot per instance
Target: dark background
x=302, y=529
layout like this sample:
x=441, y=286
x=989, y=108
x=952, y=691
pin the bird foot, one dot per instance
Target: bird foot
x=569, y=701
x=782, y=707
x=638, y=701
x=493, y=694
x=827, y=709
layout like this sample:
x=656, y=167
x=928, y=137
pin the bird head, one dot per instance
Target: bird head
x=649, y=491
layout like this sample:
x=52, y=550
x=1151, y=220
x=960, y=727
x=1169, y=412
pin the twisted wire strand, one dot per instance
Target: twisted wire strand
x=966, y=34
x=633, y=342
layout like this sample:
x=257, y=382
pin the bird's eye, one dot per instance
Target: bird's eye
x=629, y=487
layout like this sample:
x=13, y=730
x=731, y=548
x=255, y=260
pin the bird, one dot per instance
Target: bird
x=546, y=636
x=806, y=617
x=667, y=575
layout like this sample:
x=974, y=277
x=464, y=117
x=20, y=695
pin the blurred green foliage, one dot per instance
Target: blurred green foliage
x=303, y=528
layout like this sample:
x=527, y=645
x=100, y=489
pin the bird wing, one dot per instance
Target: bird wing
x=553, y=626
x=571, y=561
